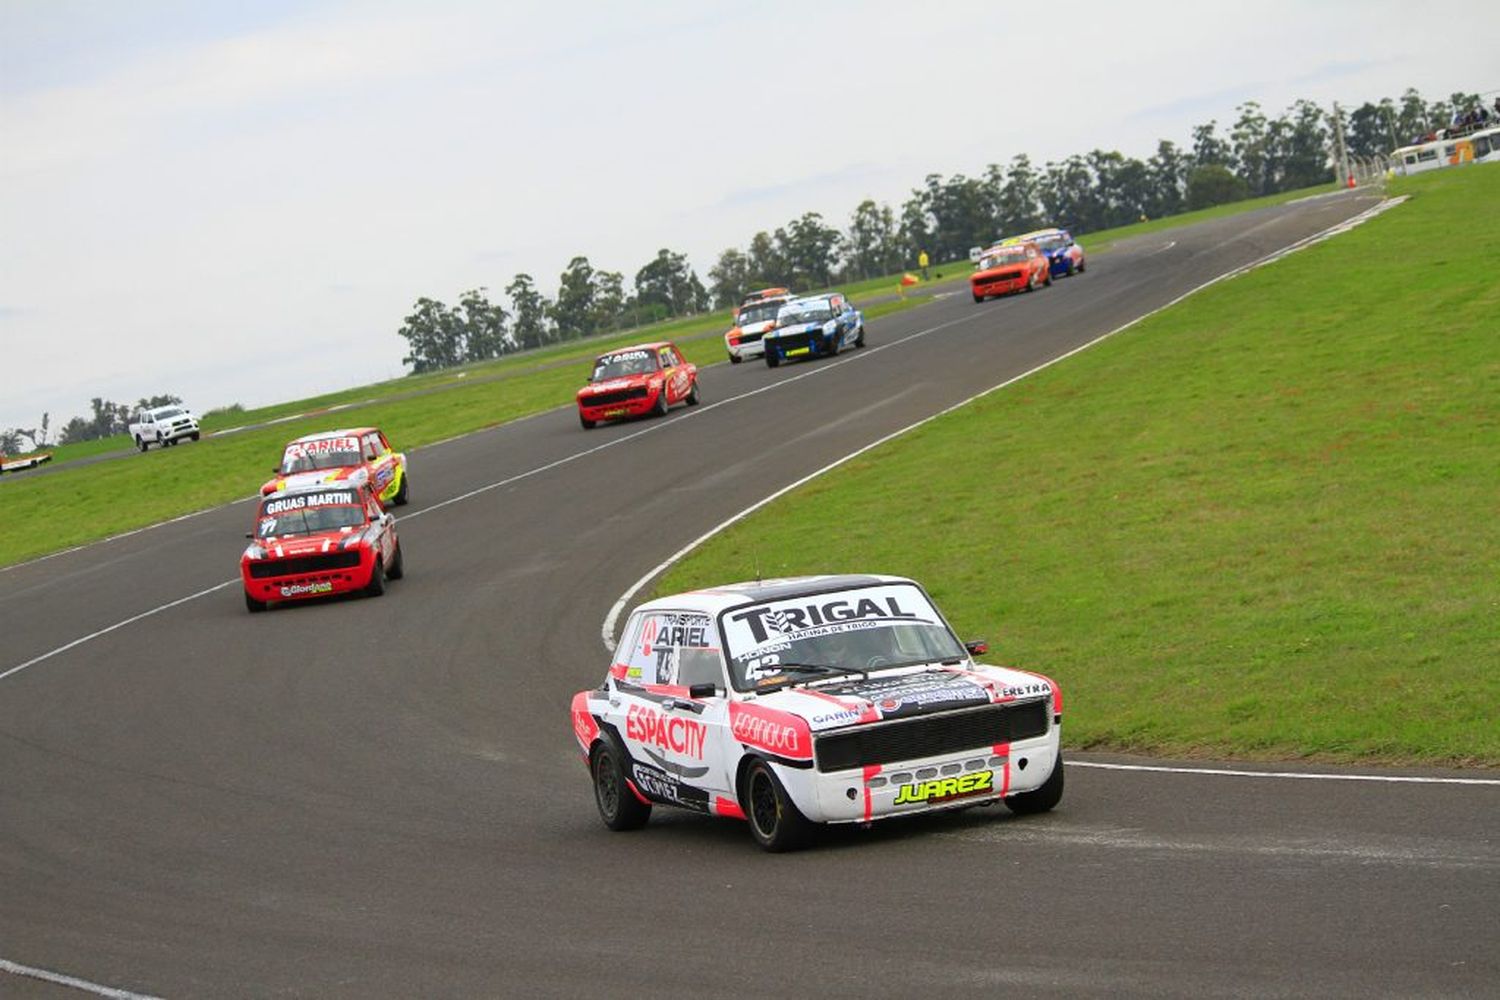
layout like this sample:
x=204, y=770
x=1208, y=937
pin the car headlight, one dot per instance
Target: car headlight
x=255, y=552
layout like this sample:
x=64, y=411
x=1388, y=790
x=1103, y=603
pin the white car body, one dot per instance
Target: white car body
x=698, y=690
x=163, y=425
x=744, y=340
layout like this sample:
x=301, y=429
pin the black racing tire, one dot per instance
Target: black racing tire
x=1043, y=798
x=1048, y=282
x=835, y=345
x=253, y=606
x=376, y=586
x=978, y=297
x=403, y=493
x=1081, y=268
x=1071, y=269
x=195, y=435
x=618, y=807
x=141, y=444
x=775, y=822
x=772, y=360
x=588, y=424
x=1031, y=283
x=735, y=359
x=860, y=340
x=662, y=406
x=693, y=398
x=398, y=565
x=160, y=442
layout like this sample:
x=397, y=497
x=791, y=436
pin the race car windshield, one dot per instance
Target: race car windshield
x=1052, y=243
x=1016, y=256
x=805, y=316
x=619, y=365
x=868, y=628
x=758, y=314
x=309, y=521
x=300, y=460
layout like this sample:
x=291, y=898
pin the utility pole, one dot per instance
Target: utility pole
x=1338, y=130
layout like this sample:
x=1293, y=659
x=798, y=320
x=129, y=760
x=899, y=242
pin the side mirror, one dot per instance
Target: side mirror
x=702, y=690
x=249, y=534
x=977, y=647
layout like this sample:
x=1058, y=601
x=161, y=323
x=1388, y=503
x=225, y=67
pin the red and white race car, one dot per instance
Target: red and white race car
x=317, y=541
x=834, y=699
x=634, y=381
x=361, y=456
x=755, y=317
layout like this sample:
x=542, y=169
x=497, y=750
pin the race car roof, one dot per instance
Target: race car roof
x=654, y=345
x=358, y=489
x=325, y=435
x=728, y=595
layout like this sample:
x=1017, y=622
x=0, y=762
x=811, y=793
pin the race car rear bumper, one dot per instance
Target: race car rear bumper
x=746, y=348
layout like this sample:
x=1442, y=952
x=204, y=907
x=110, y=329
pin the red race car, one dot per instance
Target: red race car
x=634, y=381
x=1006, y=269
x=317, y=541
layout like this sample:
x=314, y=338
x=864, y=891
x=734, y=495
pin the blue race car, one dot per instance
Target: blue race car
x=1064, y=256
x=814, y=327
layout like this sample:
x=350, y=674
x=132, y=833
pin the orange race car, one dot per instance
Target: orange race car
x=755, y=317
x=1006, y=269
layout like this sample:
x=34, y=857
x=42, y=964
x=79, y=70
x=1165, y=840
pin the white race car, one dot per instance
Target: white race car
x=832, y=699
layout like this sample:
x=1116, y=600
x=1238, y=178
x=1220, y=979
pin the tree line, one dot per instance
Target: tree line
x=1258, y=154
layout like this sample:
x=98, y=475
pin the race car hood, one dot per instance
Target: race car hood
x=998, y=269
x=616, y=384
x=900, y=695
x=292, y=546
x=353, y=475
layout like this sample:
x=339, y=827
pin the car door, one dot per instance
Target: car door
x=676, y=741
x=378, y=460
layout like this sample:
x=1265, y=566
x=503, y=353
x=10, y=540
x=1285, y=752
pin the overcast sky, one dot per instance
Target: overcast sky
x=239, y=202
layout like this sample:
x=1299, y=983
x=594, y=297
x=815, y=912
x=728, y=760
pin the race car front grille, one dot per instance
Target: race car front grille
x=794, y=341
x=932, y=735
x=615, y=396
x=303, y=565
x=995, y=279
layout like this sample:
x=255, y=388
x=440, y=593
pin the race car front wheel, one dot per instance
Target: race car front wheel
x=775, y=822
x=661, y=403
x=588, y=424
x=376, y=586
x=1042, y=799
x=618, y=805
x=253, y=606
x=772, y=360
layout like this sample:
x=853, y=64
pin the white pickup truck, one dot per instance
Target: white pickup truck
x=163, y=425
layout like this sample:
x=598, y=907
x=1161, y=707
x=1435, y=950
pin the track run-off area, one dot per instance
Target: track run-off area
x=384, y=797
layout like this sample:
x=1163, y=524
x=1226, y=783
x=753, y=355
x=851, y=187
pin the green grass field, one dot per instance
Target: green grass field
x=1262, y=524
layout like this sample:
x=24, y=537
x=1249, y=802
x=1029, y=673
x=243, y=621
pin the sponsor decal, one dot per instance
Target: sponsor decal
x=663, y=634
x=605, y=359
x=585, y=727
x=679, y=736
x=789, y=619
x=303, y=501
x=945, y=789
x=796, y=351
x=1023, y=690
x=836, y=718
x=914, y=694
x=301, y=589
x=663, y=788
x=779, y=733
x=321, y=447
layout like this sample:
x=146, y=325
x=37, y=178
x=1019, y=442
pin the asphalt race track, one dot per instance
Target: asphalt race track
x=383, y=797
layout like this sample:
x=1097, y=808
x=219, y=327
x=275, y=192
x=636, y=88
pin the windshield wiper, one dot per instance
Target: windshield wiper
x=825, y=669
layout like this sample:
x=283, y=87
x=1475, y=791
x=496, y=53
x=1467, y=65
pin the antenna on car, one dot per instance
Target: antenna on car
x=757, y=562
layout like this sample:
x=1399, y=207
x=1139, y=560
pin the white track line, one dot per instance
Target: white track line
x=117, y=625
x=612, y=443
x=1305, y=775
x=16, y=968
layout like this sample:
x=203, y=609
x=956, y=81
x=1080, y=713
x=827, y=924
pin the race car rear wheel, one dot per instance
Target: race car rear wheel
x=401, y=499
x=398, y=567
x=1043, y=798
x=376, y=586
x=735, y=359
x=253, y=606
x=618, y=806
x=775, y=822
x=692, y=396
